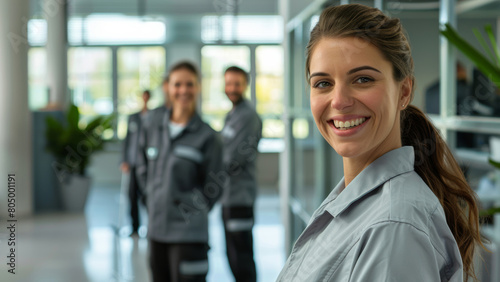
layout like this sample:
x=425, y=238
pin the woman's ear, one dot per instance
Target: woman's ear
x=406, y=88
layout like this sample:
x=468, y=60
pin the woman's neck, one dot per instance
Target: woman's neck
x=351, y=169
x=355, y=165
x=181, y=116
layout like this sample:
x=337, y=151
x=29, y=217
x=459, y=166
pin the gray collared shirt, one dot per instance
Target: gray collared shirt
x=386, y=225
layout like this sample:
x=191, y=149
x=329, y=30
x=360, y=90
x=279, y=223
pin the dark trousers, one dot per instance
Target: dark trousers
x=238, y=223
x=134, y=195
x=187, y=262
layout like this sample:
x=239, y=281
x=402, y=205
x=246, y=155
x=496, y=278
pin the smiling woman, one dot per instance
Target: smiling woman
x=181, y=156
x=350, y=85
x=403, y=211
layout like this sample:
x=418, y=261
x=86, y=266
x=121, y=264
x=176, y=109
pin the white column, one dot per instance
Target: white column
x=448, y=72
x=286, y=156
x=55, y=12
x=15, y=117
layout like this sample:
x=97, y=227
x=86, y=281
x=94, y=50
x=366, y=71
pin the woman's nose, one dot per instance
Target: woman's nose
x=341, y=98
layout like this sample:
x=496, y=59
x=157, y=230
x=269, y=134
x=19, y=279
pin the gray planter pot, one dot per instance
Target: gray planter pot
x=74, y=191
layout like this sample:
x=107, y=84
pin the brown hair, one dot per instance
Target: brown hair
x=238, y=70
x=182, y=65
x=434, y=161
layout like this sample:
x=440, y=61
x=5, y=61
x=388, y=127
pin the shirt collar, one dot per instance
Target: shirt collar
x=240, y=102
x=243, y=103
x=192, y=125
x=389, y=165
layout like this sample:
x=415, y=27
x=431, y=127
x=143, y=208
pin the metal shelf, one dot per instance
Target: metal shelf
x=489, y=125
x=473, y=5
x=473, y=158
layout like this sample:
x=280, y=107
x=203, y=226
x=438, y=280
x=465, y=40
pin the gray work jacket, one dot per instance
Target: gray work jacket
x=181, y=178
x=386, y=225
x=240, y=135
x=136, y=123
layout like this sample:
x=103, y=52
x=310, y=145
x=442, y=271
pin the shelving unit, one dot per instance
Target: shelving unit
x=448, y=122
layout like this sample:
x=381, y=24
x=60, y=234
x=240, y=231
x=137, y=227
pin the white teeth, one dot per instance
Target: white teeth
x=348, y=124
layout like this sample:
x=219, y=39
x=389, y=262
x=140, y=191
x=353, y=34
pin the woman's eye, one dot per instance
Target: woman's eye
x=363, y=79
x=321, y=84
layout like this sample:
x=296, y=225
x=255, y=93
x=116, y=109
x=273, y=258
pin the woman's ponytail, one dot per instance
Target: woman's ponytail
x=436, y=165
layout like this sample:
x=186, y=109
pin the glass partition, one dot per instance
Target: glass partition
x=90, y=79
x=269, y=89
x=139, y=68
x=38, y=95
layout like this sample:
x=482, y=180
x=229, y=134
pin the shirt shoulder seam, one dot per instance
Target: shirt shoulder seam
x=412, y=225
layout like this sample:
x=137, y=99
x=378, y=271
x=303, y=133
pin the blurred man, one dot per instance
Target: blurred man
x=136, y=123
x=241, y=134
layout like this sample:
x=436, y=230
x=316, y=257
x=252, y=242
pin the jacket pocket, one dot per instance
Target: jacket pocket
x=187, y=167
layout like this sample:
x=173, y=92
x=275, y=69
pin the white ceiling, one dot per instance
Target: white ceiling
x=167, y=7
x=183, y=8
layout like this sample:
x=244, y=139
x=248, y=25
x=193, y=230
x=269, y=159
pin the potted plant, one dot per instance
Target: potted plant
x=72, y=145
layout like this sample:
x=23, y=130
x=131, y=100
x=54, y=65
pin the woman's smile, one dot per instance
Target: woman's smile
x=347, y=124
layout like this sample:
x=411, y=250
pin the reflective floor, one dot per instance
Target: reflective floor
x=92, y=247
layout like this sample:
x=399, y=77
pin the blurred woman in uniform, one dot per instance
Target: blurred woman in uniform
x=181, y=160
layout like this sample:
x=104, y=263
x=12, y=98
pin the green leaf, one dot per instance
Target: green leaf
x=481, y=62
x=108, y=121
x=493, y=163
x=73, y=117
x=490, y=211
x=53, y=125
x=489, y=30
x=93, y=124
x=483, y=43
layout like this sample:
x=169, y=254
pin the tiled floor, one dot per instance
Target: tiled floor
x=88, y=247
